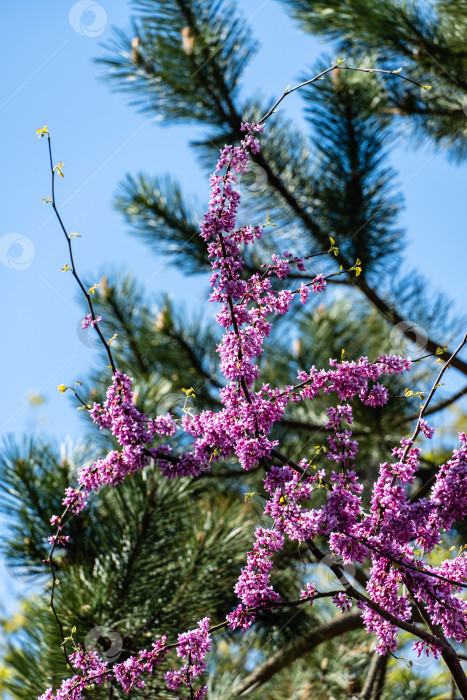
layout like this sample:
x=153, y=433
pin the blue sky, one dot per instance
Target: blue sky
x=52, y=80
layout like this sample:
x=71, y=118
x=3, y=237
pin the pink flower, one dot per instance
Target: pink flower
x=88, y=320
x=426, y=429
x=310, y=590
x=319, y=284
x=304, y=293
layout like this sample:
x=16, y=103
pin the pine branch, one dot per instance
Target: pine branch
x=185, y=58
x=156, y=210
x=428, y=39
x=201, y=17
x=284, y=657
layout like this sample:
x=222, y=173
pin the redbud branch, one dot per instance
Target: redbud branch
x=336, y=66
x=52, y=605
x=326, y=277
x=448, y=652
x=294, y=389
x=403, y=563
x=416, y=432
x=50, y=562
x=73, y=267
x=214, y=628
x=439, y=407
x=430, y=396
x=402, y=624
x=271, y=267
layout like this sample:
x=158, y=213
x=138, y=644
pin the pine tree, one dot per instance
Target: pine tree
x=161, y=554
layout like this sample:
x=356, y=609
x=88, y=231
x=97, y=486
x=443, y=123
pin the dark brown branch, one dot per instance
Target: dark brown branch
x=284, y=657
x=376, y=661
x=448, y=652
x=73, y=268
x=439, y=407
x=380, y=677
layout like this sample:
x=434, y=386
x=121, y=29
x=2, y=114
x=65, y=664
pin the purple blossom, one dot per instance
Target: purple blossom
x=304, y=293
x=427, y=430
x=386, y=536
x=319, y=284
x=308, y=591
x=88, y=320
x=342, y=601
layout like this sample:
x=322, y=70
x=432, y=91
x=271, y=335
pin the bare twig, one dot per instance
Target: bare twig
x=321, y=75
x=86, y=294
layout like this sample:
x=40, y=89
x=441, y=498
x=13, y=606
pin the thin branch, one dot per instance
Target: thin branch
x=86, y=294
x=284, y=657
x=380, y=677
x=405, y=564
x=222, y=625
x=321, y=75
x=439, y=407
x=430, y=396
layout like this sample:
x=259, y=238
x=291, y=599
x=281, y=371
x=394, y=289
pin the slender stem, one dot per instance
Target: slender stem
x=439, y=407
x=430, y=396
x=321, y=75
x=449, y=654
x=73, y=267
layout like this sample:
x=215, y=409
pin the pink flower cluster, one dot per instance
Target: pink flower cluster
x=308, y=592
x=94, y=671
x=192, y=646
x=134, y=431
x=388, y=536
x=88, y=320
x=253, y=587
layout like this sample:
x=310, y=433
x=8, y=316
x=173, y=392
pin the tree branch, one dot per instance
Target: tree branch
x=284, y=657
